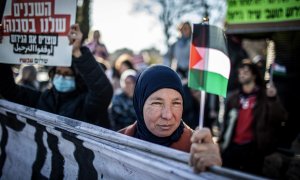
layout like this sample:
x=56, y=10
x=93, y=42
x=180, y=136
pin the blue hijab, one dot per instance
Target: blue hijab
x=150, y=80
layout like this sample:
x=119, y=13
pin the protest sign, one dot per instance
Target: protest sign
x=251, y=16
x=35, y=32
x=259, y=11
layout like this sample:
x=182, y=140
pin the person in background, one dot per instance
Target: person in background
x=122, y=63
x=28, y=77
x=158, y=103
x=236, y=54
x=180, y=51
x=81, y=91
x=96, y=47
x=106, y=67
x=122, y=111
x=252, y=121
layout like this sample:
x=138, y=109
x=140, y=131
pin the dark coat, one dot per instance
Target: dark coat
x=268, y=114
x=89, y=105
x=122, y=111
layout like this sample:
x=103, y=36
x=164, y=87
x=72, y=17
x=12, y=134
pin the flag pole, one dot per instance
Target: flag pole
x=202, y=105
x=203, y=94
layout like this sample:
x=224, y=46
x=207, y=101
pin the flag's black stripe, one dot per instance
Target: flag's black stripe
x=209, y=36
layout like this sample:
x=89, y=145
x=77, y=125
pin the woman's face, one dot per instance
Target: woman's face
x=162, y=112
x=129, y=86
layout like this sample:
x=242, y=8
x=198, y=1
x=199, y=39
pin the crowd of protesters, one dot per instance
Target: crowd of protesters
x=105, y=95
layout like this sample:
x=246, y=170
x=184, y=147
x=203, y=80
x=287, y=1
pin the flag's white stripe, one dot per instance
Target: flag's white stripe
x=216, y=60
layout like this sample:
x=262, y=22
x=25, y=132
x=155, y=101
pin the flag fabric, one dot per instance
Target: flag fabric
x=209, y=64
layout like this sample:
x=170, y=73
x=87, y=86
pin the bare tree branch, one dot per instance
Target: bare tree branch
x=170, y=12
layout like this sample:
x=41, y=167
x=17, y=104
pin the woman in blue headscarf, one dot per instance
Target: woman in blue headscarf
x=158, y=103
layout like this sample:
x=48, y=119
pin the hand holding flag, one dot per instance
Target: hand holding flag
x=209, y=66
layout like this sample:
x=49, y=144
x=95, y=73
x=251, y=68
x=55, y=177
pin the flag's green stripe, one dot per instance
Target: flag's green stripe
x=208, y=81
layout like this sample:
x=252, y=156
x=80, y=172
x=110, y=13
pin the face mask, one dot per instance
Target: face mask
x=64, y=83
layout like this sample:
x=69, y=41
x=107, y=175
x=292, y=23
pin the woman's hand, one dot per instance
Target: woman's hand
x=204, y=152
x=75, y=38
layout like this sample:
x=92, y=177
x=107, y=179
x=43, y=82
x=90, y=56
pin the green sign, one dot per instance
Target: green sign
x=262, y=11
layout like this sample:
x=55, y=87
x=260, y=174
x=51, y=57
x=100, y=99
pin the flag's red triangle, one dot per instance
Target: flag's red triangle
x=195, y=57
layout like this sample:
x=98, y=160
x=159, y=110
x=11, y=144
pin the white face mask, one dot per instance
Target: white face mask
x=64, y=83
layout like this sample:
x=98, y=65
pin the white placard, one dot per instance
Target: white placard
x=35, y=32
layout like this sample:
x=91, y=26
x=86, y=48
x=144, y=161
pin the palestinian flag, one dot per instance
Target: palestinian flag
x=209, y=63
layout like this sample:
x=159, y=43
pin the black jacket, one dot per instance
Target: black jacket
x=89, y=105
x=268, y=115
